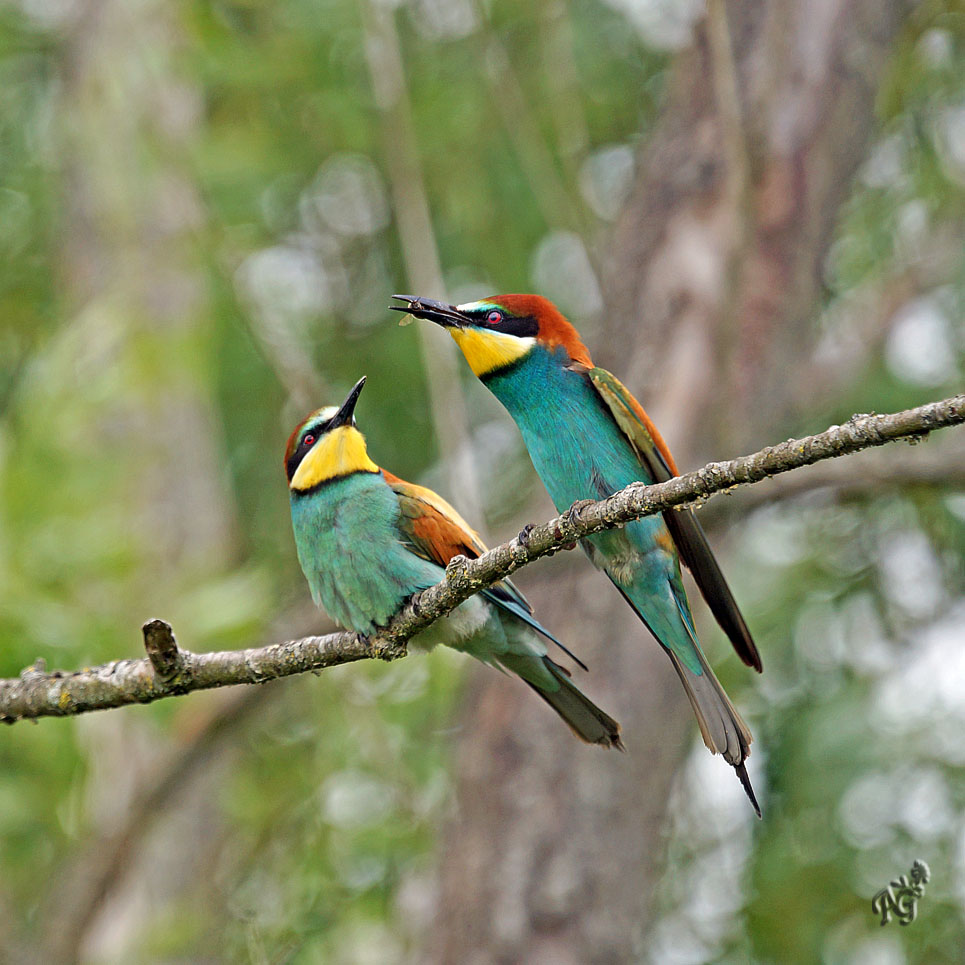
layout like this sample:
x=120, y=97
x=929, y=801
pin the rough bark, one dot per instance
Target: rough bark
x=713, y=276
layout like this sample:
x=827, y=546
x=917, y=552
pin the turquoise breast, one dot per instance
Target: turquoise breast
x=577, y=449
x=350, y=550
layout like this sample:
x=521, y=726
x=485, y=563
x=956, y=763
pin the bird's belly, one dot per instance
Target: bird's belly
x=458, y=629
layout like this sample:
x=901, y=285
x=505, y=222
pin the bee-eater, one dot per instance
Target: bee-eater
x=367, y=541
x=589, y=437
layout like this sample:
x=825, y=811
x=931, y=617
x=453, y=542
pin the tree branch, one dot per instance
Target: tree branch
x=39, y=694
x=864, y=477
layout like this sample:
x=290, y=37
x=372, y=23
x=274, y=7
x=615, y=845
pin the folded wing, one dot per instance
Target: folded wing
x=687, y=533
x=435, y=531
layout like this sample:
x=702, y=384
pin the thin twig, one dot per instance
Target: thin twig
x=39, y=694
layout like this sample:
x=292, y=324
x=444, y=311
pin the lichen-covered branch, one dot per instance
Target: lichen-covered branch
x=169, y=670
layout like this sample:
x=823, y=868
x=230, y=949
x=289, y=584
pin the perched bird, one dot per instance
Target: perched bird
x=589, y=437
x=367, y=541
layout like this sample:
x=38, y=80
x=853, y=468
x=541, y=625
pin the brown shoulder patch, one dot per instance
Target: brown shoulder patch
x=440, y=532
x=441, y=537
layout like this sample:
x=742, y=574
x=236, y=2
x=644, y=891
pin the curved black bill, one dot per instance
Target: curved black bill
x=446, y=315
x=345, y=414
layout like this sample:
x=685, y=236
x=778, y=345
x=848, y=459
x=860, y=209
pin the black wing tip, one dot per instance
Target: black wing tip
x=748, y=789
x=573, y=657
x=739, y=636
x=549, y=636
x=753, y=658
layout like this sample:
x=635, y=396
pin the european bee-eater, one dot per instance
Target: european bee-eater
x=589, y=437
x=367, y=541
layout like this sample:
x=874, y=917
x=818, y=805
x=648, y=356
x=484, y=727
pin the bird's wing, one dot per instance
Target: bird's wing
x=687, y=533
x=435, y=531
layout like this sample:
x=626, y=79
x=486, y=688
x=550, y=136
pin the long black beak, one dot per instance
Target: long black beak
x=345, y=415
x=446, y=315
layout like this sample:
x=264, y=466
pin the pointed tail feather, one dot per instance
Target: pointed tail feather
x=722, y=728
x=748, y=788
x=584, y=718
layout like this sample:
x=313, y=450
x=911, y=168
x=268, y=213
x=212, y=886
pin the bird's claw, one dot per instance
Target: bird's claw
x=456, y=567
x=523, y=535
x=577, y=508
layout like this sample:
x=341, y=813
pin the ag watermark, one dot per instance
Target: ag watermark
x=901, y=896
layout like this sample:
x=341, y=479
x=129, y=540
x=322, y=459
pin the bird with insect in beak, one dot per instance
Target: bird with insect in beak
x=589, y=437
x=367, y=541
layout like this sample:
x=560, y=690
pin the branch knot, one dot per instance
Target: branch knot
x=162, y=650
x=456, y=570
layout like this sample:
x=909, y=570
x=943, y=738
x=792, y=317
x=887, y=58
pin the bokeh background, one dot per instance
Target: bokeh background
x=754, y=213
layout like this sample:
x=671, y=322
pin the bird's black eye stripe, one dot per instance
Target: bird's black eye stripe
x=522, y=326
x=307, y=441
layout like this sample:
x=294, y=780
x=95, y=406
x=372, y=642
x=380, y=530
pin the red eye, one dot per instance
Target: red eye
x=308, y=440
x=494, y=317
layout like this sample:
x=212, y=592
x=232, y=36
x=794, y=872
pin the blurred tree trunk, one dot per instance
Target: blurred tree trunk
x=554, y=848
x=717, y=261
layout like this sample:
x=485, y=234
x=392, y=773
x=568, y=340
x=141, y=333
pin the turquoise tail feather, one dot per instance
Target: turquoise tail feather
x=721, y=726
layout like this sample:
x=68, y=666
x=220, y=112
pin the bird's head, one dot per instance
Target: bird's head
x=497, y=332
x=326, y=446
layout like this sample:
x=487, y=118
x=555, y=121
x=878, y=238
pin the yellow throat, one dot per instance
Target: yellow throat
x=338, y=453
x=487, y=351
